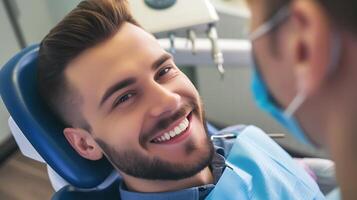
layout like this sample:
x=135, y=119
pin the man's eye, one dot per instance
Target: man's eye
x=123, y=99
x=164, y=71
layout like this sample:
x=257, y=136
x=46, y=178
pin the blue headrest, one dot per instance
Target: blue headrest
x=19, y=93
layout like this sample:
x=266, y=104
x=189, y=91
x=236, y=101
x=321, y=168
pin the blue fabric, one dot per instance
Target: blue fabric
x=257, y=168
x=40, y=127
x=70, y=193
x=187, y=194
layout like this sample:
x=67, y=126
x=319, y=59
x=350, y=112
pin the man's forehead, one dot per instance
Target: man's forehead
x=129, y=39
x=99, y=67
x=128, y=46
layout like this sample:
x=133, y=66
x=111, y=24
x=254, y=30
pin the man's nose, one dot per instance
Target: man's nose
x=164, y=101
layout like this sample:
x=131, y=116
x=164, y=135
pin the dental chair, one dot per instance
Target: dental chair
x=39, y=136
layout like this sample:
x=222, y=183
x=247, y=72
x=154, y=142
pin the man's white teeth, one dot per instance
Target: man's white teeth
x=167, y=136
x=174, y=132
x=177, y=130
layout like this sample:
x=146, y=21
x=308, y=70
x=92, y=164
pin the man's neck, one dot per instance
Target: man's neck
x=143, y=185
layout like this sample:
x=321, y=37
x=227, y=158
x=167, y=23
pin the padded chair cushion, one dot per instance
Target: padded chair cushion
x=69, y=193
x=19, y=93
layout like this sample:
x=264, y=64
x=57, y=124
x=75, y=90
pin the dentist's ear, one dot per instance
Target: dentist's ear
x=82, y=141
x=312, y=45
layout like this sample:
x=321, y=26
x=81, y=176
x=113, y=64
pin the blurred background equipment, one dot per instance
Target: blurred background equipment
x=170, y=18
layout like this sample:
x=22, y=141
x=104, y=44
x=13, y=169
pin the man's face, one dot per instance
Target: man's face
x=273, y=54
x=144, y=113
x=294, y=59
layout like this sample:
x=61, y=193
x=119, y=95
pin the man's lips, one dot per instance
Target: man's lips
x=173, y=131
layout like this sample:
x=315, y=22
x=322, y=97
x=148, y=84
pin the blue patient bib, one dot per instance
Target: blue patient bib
x=259, y=169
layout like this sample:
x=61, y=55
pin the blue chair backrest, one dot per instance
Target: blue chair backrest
x=19, y=93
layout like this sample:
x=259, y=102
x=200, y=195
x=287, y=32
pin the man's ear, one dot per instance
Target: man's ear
x=83, y=142
x=312, y=45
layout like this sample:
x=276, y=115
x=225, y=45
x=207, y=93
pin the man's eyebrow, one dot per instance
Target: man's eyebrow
x=117, y=86
x=161, y=60
x=129, y=81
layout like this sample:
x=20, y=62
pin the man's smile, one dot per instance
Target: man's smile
x=176, y=132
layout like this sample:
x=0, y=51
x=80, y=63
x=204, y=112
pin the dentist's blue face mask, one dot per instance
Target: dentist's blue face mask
x=261, y=92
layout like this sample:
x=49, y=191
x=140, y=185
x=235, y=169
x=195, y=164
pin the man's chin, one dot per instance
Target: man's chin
x=157, y=168
x=177, y=170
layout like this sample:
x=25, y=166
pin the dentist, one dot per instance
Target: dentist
x=305, y=74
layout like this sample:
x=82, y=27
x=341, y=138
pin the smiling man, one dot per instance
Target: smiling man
x=122, y=96
x=146, y=111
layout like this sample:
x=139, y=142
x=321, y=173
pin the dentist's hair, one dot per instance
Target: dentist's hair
x=343, y=13
x=90, y=23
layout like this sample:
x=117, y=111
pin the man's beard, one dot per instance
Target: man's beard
x=138, y=165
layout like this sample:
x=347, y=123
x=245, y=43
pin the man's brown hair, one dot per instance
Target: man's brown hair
x=90, y=23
